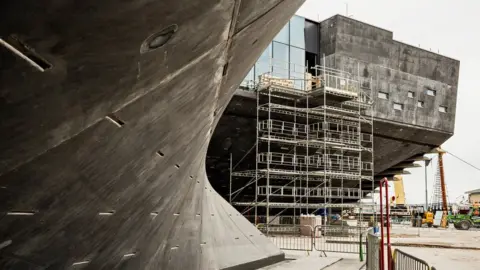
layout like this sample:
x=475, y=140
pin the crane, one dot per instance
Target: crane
x=443, y=188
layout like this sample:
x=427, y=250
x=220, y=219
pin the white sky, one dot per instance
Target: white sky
x=453, y=29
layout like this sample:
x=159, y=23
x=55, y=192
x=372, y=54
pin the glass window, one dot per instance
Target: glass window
x=263, y=63
x=280, y=60
x=282, y=36
x=420, y=104
x=382, y=95
x=410, y=94
x=297, y=67
x=442, y=109
x=297, y=32
x=398, y=106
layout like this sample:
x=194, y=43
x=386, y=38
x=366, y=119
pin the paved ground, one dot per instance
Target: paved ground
x=305, y=263
x=445, y=249
x=447, y=259
x=436, y=236
x=346, y=264
x=317, y=263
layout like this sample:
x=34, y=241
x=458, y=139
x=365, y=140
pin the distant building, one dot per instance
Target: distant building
x=474, y=196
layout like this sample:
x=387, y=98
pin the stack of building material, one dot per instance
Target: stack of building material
x=267, y=79
x=308, y=224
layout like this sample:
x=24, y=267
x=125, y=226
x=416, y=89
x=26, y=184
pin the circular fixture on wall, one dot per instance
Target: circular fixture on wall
x=157, y=40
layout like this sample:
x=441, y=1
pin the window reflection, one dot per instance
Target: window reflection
x=297, y=32
x=263, y=64
x=283, y=35
x=280, y=60
x=297, y=66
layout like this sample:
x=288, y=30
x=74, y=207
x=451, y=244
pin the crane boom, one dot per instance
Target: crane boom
x=443, y=188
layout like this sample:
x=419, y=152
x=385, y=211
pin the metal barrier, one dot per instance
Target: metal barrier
x=404, y=261
x=289, y=237
x=342, y=239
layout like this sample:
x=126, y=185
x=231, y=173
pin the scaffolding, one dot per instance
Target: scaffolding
x=314, y=145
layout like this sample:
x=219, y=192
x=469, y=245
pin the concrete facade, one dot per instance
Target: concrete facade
x=102, y=161
x=396, y=69
x=406, y=75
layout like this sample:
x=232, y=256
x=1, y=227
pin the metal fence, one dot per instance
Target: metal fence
x=329, y=238
x=404, y=261
x=343, y=239
x=289, y=237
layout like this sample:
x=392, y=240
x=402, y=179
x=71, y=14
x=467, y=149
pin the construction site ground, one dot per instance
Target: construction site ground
x=444, y=249
x=435, y=237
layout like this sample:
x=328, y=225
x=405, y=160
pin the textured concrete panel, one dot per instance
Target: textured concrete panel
x=396, y=69
x=84, y=191
x=251, y=10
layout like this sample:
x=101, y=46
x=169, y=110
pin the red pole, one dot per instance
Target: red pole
x=380, y=258
x=389, y=247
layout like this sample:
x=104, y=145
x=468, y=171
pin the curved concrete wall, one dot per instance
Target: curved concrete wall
x=77, y=190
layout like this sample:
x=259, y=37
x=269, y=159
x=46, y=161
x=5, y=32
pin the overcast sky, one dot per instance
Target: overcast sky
x=453, y=29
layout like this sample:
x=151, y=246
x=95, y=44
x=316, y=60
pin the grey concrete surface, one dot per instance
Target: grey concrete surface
x=447, y=259
x=78, y=190
x=442, y=248
x=448, y=238
x=396, y=68
x=305, y=263
x=345, y=264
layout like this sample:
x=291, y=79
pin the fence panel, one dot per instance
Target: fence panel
x=342, y=239
x=289, y=237
x=404, y=261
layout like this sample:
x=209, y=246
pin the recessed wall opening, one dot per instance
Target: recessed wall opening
x=27, y=53
x=398, y=106
x=382, y=95
x=115, y=120
x=431, y=92
x=420, y=104
x=311, y=61
x=442, y=109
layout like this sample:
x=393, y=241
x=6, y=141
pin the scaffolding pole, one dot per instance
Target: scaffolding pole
x=321, y=120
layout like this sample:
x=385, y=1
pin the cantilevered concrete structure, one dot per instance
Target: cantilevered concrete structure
x=414, y=92
x=107, y=109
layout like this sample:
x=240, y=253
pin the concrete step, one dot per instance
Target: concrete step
x=305, y=263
